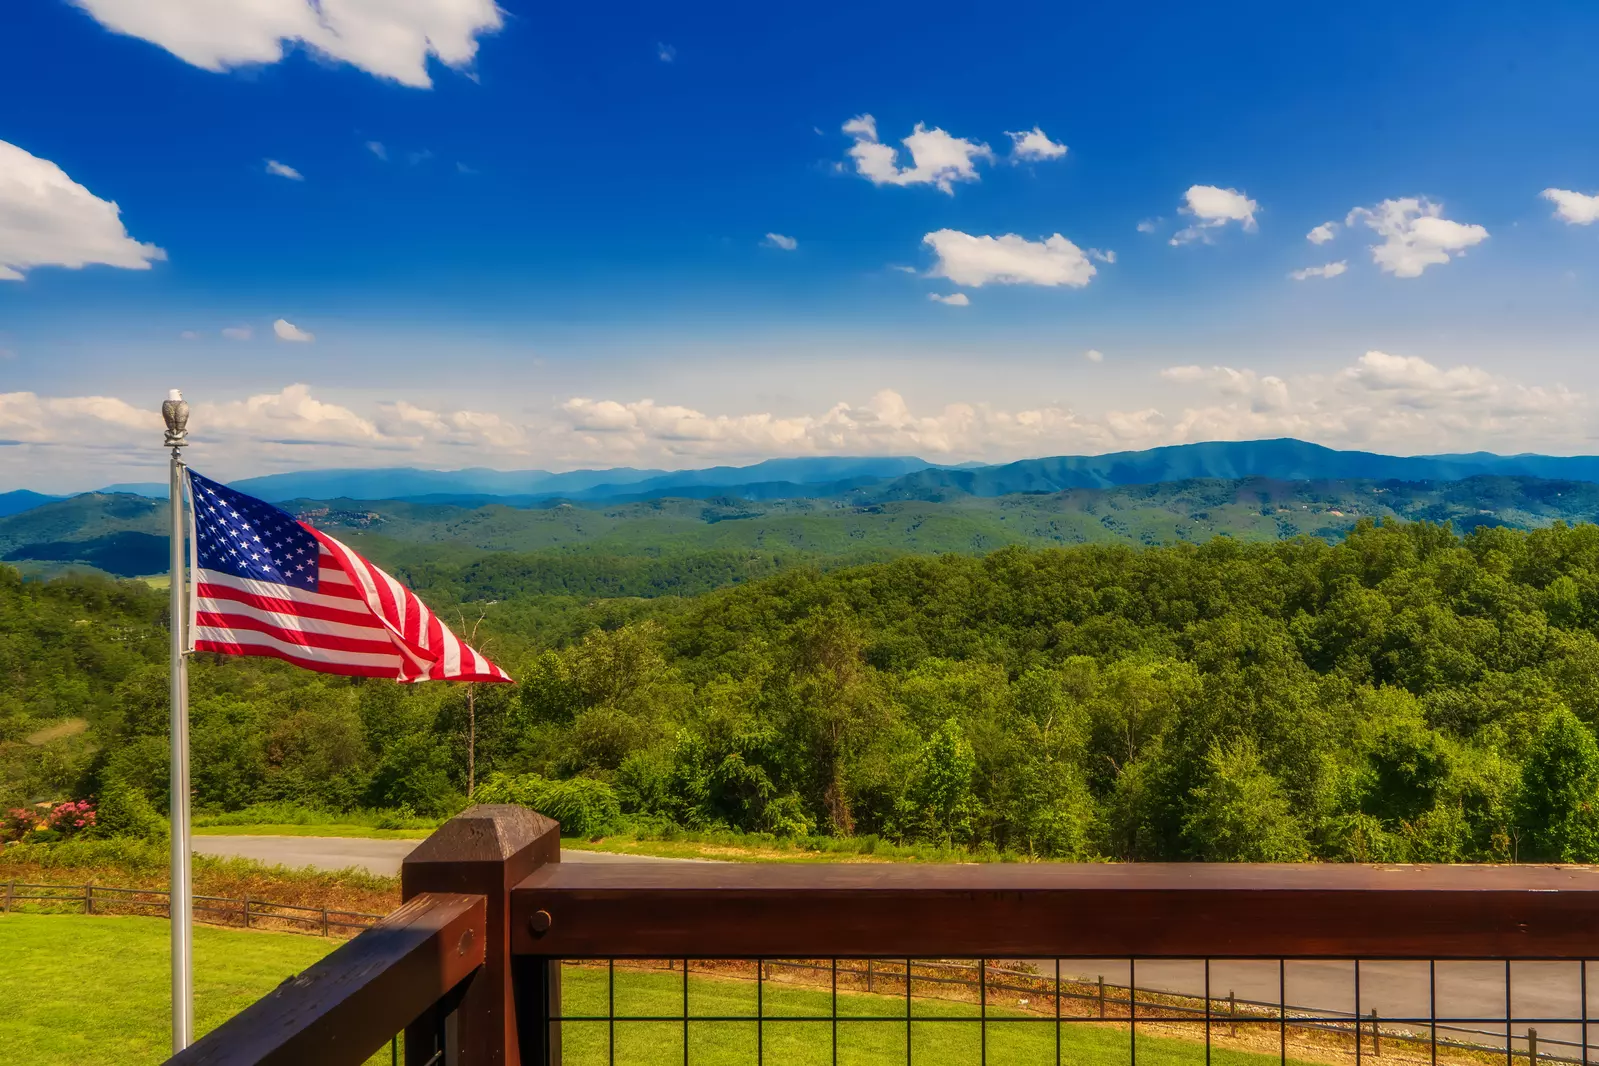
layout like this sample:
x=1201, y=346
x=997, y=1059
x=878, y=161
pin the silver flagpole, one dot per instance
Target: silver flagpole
x=176, y=413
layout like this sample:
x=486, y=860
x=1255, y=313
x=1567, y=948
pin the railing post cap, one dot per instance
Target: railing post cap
x=487, y=832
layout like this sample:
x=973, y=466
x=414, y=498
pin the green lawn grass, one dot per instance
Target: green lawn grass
x=943, y=1032
x=94, y=990
x=335, y=829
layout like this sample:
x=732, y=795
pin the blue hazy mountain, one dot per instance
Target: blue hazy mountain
x=156, y=490
x=891, y=478
x=22, y=500
x=1283, y=460
x=399, y=483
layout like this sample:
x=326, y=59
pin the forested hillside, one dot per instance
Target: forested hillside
x=481, y=550
x=1405, y=694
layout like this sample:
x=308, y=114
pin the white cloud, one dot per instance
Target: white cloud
x=777, y=240
x=1322, y=233
x=1331, y=270
x=1008, y=260
x=1034, y=146
x=47, y=219
x=956, y=299
x=1573, y=208
x=388, y=39
x=1402, y=404
x=1149, y=225
x=1106, y=256
x=665, y=52
x=237, y=333
x=1415, y=235
x=1211, y=208
x=188, y=335
x=1380, y=401
x=937, y=158
x=283, y=170
x=1094, y=355
x=288, y=331
x=377, y=149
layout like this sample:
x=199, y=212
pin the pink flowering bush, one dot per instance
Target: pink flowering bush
x=71, y=817
x=47, y=821
x=15, y=823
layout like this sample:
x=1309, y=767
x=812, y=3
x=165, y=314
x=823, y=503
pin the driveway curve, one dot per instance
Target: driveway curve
x=342, y=853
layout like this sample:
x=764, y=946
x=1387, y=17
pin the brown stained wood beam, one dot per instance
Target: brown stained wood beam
x=501, y=1019
x=348, y=1005
x=1045, y=909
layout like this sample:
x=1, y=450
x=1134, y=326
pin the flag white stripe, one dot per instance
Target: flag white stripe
x=361, y=571
x=251, y=638
x=355, y=603
x=293, y=622
x=275, y=591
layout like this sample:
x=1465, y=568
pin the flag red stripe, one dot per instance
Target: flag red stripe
x=211, y=591
x=379, y=645
x=359, y=621
x=321, y=666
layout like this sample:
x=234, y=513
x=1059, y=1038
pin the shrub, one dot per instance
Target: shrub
x=16, y=823
x=584, y=807
x=71, y=818
x=127, y=812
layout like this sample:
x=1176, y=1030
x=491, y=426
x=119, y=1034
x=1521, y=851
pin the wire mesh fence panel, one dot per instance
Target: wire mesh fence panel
x=1088, y=1012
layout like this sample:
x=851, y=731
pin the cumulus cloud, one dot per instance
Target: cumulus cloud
x=665, y=52
x=389, y=40
x=237, y=333
x=283, y=170
x=937, y=158
x=777, y=240
x=1149, y=225
x=1211, y=208
x=1322, y=233
x=288, y=331
x=47, y=219
x=1094, y=355
x=956, y=299
x=1331, y=270
x=1415, y=235
x=1107, y=256
x=1573, y=208
x=1033, y=146
x=1008, y=260
x=377, y=149
x=1380, y=401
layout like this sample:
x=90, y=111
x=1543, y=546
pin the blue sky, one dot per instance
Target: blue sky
x=547, y=243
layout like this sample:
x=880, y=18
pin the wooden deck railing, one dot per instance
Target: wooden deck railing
x=472, y=967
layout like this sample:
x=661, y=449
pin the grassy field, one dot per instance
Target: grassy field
x=93, y=991
x=69, y=1005
x=364, y=832
x=943, y=1032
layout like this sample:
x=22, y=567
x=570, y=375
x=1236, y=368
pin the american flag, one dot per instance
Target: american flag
x=268, y=584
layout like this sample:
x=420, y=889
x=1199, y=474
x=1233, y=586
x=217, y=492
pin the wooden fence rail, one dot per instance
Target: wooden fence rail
x=247, y=913
x=496, y=998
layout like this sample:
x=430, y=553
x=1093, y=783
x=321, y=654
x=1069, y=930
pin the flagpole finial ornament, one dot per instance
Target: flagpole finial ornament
x=175, y=410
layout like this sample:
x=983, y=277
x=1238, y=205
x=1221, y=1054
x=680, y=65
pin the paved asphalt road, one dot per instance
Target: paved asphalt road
x=339, y=853
x=1474, y=990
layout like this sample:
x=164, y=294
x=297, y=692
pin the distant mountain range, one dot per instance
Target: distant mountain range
x=22, y=500
x=858, y=479
x=406, y=483
x=679, y=545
